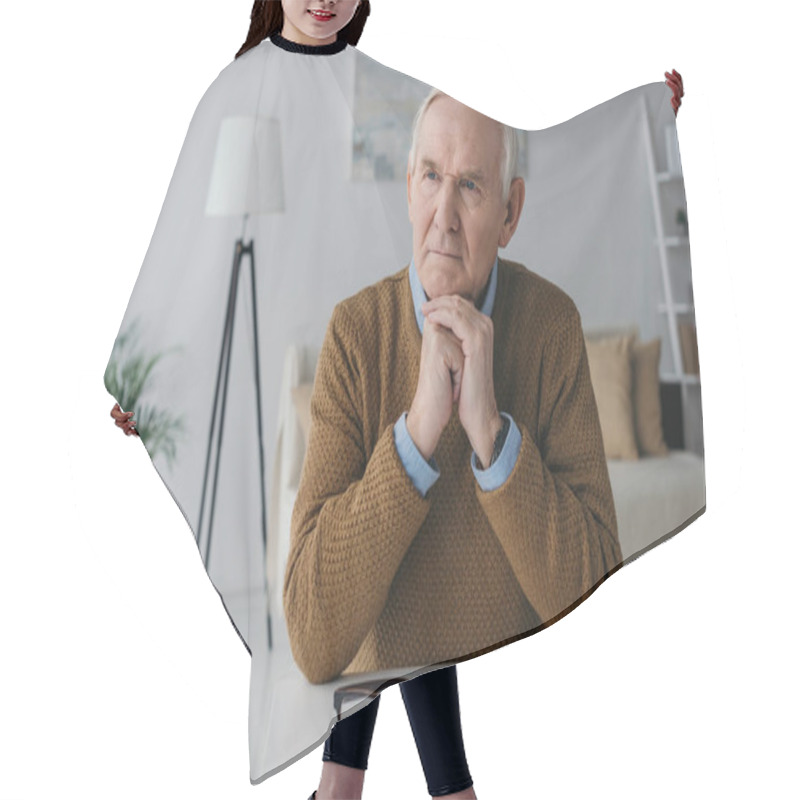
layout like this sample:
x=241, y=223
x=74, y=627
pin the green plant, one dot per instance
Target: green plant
x=128, y=372
x=682, y=220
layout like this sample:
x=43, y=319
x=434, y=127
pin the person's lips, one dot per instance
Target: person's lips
x=444, y=253
x=322, y=16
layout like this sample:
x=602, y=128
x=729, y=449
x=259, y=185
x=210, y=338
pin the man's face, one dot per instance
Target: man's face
x=455, y=201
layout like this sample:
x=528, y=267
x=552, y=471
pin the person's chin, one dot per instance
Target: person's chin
x=436, y=261
x=444, y=274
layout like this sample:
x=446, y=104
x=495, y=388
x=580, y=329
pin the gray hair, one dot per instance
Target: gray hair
x=509, y=163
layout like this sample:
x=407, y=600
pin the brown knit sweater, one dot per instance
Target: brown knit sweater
x=379, y=576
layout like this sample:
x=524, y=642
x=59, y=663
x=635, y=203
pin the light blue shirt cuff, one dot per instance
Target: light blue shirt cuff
x=423, y=475
x=497, y=474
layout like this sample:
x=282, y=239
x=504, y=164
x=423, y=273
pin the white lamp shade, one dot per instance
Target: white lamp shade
x=247, y=175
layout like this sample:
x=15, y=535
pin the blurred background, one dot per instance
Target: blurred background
x=121, y=673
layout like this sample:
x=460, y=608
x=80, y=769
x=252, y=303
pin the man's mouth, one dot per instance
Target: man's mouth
x=323, y=16
x=445, y=254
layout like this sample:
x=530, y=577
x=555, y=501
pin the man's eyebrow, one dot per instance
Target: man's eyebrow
x=427, y=163
x=471, y=174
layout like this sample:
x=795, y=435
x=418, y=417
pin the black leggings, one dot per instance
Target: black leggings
x=433, y=711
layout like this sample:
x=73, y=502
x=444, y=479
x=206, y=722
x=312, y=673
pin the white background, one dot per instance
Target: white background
x=120, y=675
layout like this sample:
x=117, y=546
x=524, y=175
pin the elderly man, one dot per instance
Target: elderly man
x=454, y=494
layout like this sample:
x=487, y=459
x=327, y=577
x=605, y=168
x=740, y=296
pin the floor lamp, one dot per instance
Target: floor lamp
x=246, y=179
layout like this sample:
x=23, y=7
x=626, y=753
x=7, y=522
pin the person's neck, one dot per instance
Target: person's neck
x=481, y=299
x=293, y=34
x=332, y=47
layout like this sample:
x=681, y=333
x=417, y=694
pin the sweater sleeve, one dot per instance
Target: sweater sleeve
x=354, y=518
x=554, y=516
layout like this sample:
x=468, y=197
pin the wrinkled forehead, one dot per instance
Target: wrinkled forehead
x=459, y=139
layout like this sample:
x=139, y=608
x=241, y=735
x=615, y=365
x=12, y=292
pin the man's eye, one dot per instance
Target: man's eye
x=430, y=174
x=470, y=185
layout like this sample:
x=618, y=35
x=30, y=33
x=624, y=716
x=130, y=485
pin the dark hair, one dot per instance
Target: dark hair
x=266, y=18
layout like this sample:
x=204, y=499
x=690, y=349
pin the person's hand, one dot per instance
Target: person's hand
x=477, y=408
x=438, y=386
x=124, y=420
x=675, y=82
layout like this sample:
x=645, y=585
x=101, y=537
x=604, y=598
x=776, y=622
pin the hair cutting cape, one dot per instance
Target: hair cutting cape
x=270, y=350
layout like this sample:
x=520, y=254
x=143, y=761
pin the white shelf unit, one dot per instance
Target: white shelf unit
x=673, y=248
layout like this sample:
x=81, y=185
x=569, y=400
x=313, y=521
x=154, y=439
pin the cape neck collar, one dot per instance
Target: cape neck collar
x=308, y=49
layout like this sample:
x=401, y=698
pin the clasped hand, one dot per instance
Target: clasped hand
x=455, y=368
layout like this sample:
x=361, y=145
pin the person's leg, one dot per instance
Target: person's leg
x=433, y=711
x=345, y=755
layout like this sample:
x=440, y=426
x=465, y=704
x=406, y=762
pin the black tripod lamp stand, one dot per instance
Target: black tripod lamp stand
x=246, y=179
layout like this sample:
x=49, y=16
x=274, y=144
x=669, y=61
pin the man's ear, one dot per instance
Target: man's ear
x=516, y=199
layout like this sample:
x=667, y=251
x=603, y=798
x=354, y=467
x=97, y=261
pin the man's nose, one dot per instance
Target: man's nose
x=447, y=218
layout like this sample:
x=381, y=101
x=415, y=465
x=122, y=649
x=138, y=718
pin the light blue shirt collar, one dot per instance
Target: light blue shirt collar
x=420, y=297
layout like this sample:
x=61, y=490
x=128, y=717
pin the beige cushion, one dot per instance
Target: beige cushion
x=647, y=399
x=612, y=381
x=611, y=332
x=301, y=396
